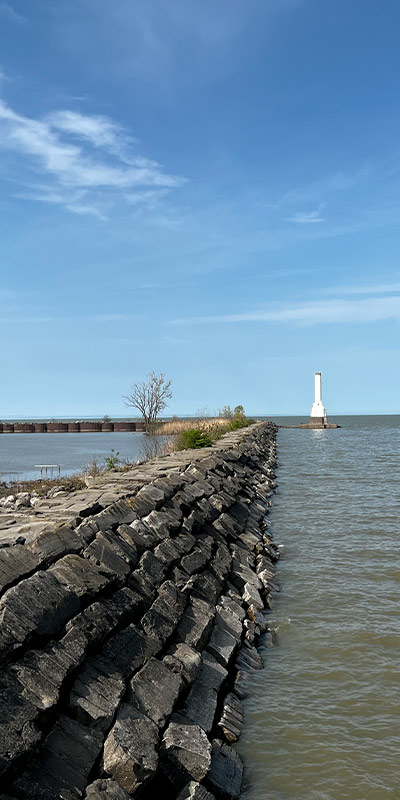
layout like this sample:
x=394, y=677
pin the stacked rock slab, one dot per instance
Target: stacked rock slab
x=127, y=636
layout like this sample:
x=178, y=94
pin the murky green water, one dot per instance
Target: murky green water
x=323, y=718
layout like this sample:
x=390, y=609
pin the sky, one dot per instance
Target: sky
x=209, y=190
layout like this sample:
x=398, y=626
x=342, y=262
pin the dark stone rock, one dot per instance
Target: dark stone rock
x=179, y=579
x=195, y=490
x=162, y=617
x=248, y=658
x=38, y=605
x=169, y=485
x=222, y=644
x=231, y=721
x=226, y=771
x=184, y=541
x=251, y=596
x=124, y=547
x=82, y=577
x=69, y=651
x=18, y=732
x=195, y=473
x=183, y=660
x=195, y=625
x=211, y=463
x=205, y=586
x=15, y=563
x=50, y=545
x=164, y=522
x=102, y=553
x=153, y=567
x=40, y=673
x=183, y=501
x=194, y=791
x=193, y=521
x=196, y=560
x=167, y=552
x=221, y=563
x=240, y=513
x=100, y=618
x=105, y=789
x=147, y=499
x=185, y=753
x=129, y=649
x=257, y=617
x=154, y=690
x=63, y=764
x=221, y=501
x=202, y=700
x=142, y=583
x=87, y=530
x=130, y=755
x=140, y=535
x=116, y=514
x=250, y=539
x=242, y=575
x=230, y=525
x=242, y=556
x=235, y=608
x=207, y=509
x=96, y=694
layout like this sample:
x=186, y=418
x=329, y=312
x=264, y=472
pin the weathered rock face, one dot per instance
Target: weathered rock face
x=127, y=632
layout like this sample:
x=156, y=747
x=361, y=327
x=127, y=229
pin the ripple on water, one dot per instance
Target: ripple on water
x=322, y=721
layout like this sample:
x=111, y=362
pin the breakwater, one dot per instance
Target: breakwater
x=128, y=626
x=80, y=426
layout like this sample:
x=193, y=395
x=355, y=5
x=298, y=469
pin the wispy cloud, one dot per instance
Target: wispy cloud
x=40, y=320
x=316, y=313
x=7, y=11
x=168, y=44
x=316, y=191
x=305, y=217
x=148, y=198
x=85, y=163
x=380, y=288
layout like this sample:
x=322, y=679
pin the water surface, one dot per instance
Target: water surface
x=322, y=721
x=19, y=452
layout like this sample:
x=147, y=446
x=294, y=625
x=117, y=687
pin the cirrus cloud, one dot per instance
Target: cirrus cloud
x=86, y=163
x=340, y=310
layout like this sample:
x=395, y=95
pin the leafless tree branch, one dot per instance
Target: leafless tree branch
x=150, y=397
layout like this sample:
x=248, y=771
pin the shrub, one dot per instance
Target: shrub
x=237, y=422
x=112, y=460
x=193, y=438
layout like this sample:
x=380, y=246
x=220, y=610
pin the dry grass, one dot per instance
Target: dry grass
x=208, y=424
x=70, y=483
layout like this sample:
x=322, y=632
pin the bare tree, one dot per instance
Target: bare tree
x=150, y=398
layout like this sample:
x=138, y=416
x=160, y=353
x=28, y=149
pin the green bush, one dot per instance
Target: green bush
x=113, y=460
x=193, y=438
x=237, y=422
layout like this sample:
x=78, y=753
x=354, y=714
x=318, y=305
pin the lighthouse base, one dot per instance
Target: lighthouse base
x=318, y=422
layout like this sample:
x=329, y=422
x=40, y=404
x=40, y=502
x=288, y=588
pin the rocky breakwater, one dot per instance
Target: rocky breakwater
x=127, y=636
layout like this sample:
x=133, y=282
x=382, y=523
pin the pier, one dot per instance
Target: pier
x=80, y=426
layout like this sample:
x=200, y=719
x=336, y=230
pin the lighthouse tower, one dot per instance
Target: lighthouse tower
x=318, y=412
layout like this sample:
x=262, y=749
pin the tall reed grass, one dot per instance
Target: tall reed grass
x=207, y=424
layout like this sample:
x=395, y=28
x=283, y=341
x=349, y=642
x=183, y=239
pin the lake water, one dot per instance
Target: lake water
x=322, y=719
x=19, y=452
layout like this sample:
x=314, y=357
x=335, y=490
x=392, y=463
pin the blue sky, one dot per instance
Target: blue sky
x=205, y=189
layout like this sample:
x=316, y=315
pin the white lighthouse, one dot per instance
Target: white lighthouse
x=318, y=412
